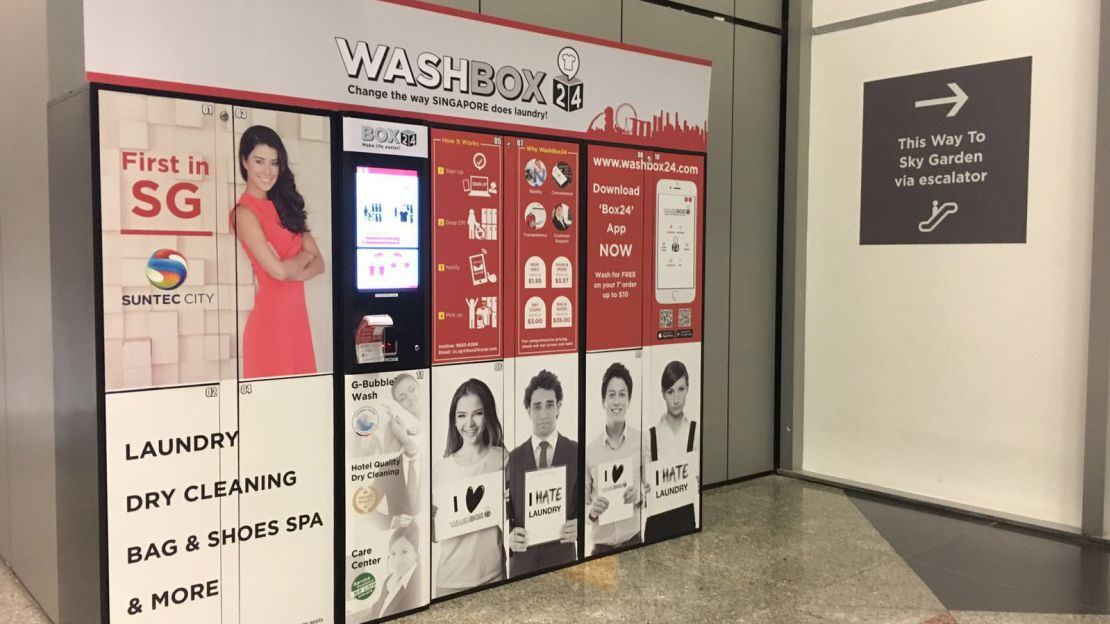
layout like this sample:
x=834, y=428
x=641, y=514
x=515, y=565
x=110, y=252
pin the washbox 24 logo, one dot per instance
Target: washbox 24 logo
x=567, y=91
x=389, y=136
x=431, y=71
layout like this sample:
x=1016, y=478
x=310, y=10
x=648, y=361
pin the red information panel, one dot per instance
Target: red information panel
x=674, y=232
x=614, y=248
x=467, y=224
x=546, y=261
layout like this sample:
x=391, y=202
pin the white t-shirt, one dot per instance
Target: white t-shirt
x=476, y=558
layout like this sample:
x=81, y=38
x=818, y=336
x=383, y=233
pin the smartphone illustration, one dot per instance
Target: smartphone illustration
x=478, y=275
x=676, y=203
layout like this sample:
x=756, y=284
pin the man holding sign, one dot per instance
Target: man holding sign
x=543, y=479
x=613, y=472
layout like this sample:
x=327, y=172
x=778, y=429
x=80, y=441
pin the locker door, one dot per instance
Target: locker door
x=168, y=426
x=160, y=226
x=285, y=469
x=387, y=493
x=278, y=229
x=468, y=495
x=472, y=408
x=614, y=392
x=615, y=488
x=544, y=501
x=158, y=514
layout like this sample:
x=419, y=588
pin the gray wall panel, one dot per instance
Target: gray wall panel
x=597, y=18
x=75, y=386
x=1096, y=485
x=768, y=12
x=755, y=164
x=65, y=25
x=655, y=26
x=724, y=7
x=24, y=211
x=467, y=5
x=5, y=487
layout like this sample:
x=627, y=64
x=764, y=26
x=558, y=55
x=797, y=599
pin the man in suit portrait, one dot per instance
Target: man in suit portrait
x=545, y=448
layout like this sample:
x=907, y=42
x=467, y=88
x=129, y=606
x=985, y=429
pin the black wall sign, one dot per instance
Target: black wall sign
x=946, y=156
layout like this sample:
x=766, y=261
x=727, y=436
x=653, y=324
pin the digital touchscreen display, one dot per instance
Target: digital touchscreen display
x=387, y=231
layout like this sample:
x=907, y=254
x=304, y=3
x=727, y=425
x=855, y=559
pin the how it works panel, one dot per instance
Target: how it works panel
x=468, y=226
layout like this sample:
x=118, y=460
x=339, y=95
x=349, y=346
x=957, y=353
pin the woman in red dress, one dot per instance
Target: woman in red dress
x=270, y=223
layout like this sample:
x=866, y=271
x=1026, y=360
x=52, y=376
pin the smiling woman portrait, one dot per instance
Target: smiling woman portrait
x=475, y=446
x=270, y=223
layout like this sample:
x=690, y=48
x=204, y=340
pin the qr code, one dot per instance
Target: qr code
x=684, y=317
x=666, y=318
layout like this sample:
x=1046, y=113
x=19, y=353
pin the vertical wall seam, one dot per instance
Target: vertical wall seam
x=776, y=400
x=805, y=52
x=1093, y=498
x=4, y=399
x=728, y=308
x=795, y=193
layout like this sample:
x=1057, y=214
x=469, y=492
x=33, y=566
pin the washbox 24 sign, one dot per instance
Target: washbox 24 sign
x=389, y=136
x=388, y=65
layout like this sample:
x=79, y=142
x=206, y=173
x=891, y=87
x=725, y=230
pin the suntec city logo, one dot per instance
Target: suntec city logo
x=166, y=269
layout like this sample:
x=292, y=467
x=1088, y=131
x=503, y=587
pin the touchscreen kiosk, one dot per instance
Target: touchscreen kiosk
x=384, y=251
x=387, y=230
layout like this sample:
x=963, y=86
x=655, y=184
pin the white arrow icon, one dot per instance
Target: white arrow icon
x=958, y=99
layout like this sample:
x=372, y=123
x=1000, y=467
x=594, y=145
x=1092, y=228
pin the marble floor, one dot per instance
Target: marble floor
x=778, y=550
